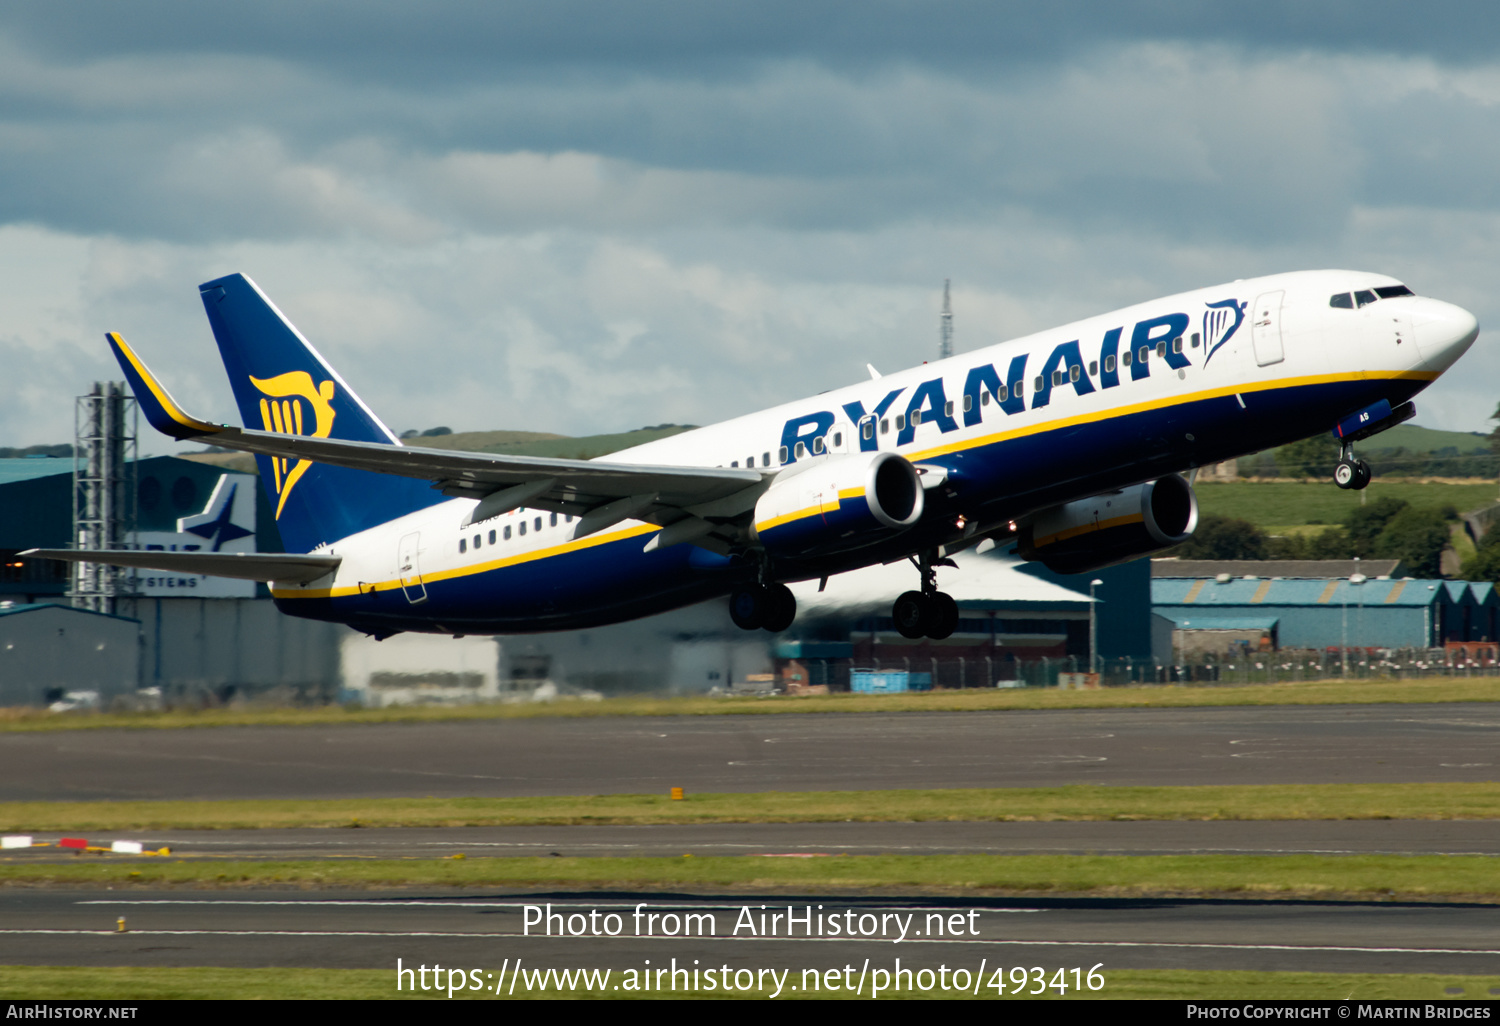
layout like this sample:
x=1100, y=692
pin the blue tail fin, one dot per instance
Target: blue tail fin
x=282, y=384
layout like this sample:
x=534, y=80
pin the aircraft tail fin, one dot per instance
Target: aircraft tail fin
x=282, y=384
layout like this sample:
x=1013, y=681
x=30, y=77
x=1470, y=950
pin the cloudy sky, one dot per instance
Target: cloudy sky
x=580, y=216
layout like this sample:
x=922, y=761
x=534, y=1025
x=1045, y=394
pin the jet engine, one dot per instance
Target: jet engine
x=837, y=503
x=1114, y=527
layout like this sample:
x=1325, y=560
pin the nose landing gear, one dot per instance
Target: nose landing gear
x=1351, y=472
x=928, y=613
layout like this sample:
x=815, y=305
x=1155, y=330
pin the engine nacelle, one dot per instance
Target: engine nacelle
x=1112, y=528
x=838, y=503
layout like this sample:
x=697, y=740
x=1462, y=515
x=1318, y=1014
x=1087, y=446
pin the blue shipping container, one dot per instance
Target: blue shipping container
x=880, y=681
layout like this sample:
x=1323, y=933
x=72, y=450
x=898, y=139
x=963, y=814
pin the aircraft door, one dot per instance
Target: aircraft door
x=1265, y=328
x=410, y=570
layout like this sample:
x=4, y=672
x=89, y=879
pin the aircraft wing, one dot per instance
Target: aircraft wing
x=659, y=493
x=247, y=566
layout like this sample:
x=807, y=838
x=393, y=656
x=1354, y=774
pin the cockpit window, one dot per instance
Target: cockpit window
x=1364, y=297
x=1341, y=301
x=1392, y=291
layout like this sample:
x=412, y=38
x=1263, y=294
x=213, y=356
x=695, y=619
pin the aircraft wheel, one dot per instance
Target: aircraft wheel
x=910, y=613
x=747, y=607
x=781, y=608
x=1345, y=474
x=1361, y=475
x=943, y=616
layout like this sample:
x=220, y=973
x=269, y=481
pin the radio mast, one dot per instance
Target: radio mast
x=945, y=330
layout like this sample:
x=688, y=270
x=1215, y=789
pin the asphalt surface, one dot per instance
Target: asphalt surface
x=485, y=932
x=1228, y=837
x=789, y=752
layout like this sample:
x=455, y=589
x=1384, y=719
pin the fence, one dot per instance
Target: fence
x=1250, y=668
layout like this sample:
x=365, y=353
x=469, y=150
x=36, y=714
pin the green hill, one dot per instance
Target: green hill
x=1419, y=439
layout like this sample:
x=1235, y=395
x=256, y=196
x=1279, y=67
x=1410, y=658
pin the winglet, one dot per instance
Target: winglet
x=161, y=410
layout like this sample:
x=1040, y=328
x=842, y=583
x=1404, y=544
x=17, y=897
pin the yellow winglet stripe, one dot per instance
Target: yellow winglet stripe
x=163, y=399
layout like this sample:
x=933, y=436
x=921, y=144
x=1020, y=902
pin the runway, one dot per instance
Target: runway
x=484, y=931
x=1318, y=837
x=788, y=752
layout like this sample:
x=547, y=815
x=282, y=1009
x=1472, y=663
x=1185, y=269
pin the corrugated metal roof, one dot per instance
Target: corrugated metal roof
x=28, y=468
x=1174, y=591
x=7, y=609
x=1314, y=569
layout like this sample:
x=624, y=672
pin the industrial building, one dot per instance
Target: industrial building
x=1212, y=614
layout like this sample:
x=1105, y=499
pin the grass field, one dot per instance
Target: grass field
x=1404, y=877
x=134, y=983
x=1288, y=503
x=1033, y=804
x=1331, y=692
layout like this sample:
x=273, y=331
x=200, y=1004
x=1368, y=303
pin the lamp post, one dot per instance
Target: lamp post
x=1093, y=629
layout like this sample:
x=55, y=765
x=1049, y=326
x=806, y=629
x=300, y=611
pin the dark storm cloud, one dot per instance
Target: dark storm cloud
x=369, y=39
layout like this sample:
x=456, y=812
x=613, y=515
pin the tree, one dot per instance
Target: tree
x=1364, y=523
x=1417, y=537
x=1223, y=538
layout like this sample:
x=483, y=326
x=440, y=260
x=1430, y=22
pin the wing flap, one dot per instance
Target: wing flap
x=246, y=566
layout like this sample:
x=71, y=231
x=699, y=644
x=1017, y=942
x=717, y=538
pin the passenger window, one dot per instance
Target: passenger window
x=916, y=418
x=538, y=524
x=1056, y=378
x=463, y=545
x=1125, y=359
x=749, y=461
x=1195, y=340
x=900, y=422
x=734, y=463
x=1364, y=297
x=1144, y=354
x=1093, y=368
x=948, y=409
x=885, y=426
x=567, y=518
x=1177, y=344
x=817, y=446
x=492, y=537
x=507, y=532
x=1005, y=392
x=1341, y=301
x=968, y=404
x=984, y=400
x=476, y=542
x=1038, y=384
x=838, y=439
x=765, y=458
x=1109, y=364
x=522, y=529
x=553, y=522
x=1074, y=372
x=801, y=449
x=1161, y=348
x=782, y=453
x=867, y=429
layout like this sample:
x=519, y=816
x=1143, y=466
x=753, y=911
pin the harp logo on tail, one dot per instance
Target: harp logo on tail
x=1220, y=321
x=293, y=405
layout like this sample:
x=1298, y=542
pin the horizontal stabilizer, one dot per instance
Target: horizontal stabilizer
x=245, y=566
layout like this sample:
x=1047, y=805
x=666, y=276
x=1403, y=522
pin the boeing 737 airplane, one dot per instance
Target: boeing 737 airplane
x=1070, y=444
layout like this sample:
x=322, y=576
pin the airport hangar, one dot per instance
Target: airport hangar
x=206, y=640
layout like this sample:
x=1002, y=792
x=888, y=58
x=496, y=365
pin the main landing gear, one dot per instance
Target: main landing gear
x=928, y=613
x=772, y=606
x=1351, y=472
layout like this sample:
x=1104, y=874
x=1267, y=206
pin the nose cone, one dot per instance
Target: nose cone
x=1443, y=332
